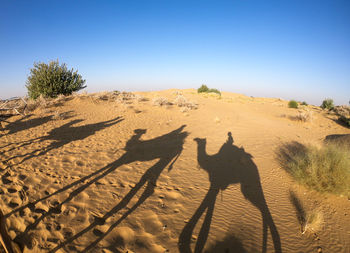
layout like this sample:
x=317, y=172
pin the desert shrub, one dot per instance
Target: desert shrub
x=344, y=114
x=183, y=102
x=293, y=104
x=304, y=116
x=324, y=169
x=53, y=79
x=327, y=104
x=160, y=101
x=304, y=103
x=203, y=88
x=215, y=91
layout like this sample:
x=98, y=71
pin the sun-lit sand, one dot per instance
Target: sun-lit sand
x=130, y=175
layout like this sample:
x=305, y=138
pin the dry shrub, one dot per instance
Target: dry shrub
x=304, y=116
x=325, y=169
x=181, y=101
x=160, y=101
x=344, y=114
x=140, y=98
x=310, y=221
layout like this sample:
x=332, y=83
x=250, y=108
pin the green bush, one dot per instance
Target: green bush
x=324, y=169
x=327, y=104
x=293, y=104
x=203, y=88
x=53, y=79
x=215, y=91
x=304, y=103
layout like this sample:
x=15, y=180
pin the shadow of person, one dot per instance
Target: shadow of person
x=65, y=134
x=231, y=165
x=166, y=148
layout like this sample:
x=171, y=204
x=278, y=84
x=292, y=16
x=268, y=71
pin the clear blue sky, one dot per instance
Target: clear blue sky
x=290, y=49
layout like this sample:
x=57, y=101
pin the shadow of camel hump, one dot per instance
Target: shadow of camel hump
x=231, y=165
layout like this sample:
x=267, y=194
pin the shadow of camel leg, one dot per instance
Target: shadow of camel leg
x=257, y=198
x=186, y=234
x=204, y=232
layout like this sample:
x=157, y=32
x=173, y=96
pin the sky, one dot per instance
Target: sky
x=296, y=49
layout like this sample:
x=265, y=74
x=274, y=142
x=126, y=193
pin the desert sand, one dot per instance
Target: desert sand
x=100, y=174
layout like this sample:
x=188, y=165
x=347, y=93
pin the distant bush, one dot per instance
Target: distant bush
x=324, y=169
x=293, y=104
x=304, y=103
x=327, y=104
x=214, y=91
x=203, y=88
x=53, y=79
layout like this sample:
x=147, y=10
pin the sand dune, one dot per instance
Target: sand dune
x=126, y=175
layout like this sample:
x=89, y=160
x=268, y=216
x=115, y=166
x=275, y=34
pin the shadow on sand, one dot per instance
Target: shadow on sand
x=166, y=148
x=61, y=136
x=231, y=165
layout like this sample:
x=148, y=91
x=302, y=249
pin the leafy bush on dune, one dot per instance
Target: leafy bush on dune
x=293, y=104
x=50, y=80
x=324, y=169
x=205, y=89
x=327, y=104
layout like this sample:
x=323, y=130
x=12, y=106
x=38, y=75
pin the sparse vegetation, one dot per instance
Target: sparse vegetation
x=50, y=80
x=304, y=103
x=324, y=169
x=183, y=102
x=205, y=89
x=293, y=104
x=304, y=116
x=160, y=101
x=327, y=104
x=344, y=114
x=310, y=221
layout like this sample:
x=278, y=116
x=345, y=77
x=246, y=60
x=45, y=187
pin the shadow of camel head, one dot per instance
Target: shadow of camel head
x=140, y=131
x=200, y=140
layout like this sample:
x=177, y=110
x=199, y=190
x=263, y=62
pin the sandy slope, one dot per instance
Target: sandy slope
x=108, y=176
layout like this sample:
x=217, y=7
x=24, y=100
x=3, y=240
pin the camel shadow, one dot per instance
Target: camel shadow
x=166, y=148
x=231, y=165
x=63, y=135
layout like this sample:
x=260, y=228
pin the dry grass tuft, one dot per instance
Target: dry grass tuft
x=344, y=114
x=183, y=102
x=304, y=116
x=160, y=101
x=310, y=221
x=325, y=169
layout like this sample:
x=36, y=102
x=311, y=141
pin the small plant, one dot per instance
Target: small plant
x=203, y=88
x=183, y=102
x=304, y=116
x=214, y=91
x=50, y=80
x=160, y=101
x=293, y=104
x=324, y=169
x=304, y=103
x=327, y=104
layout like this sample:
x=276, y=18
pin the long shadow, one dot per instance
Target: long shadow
x=25, y=123
x=166, y=148
x=63, y=135
x=231, y=165
x=338, y=139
